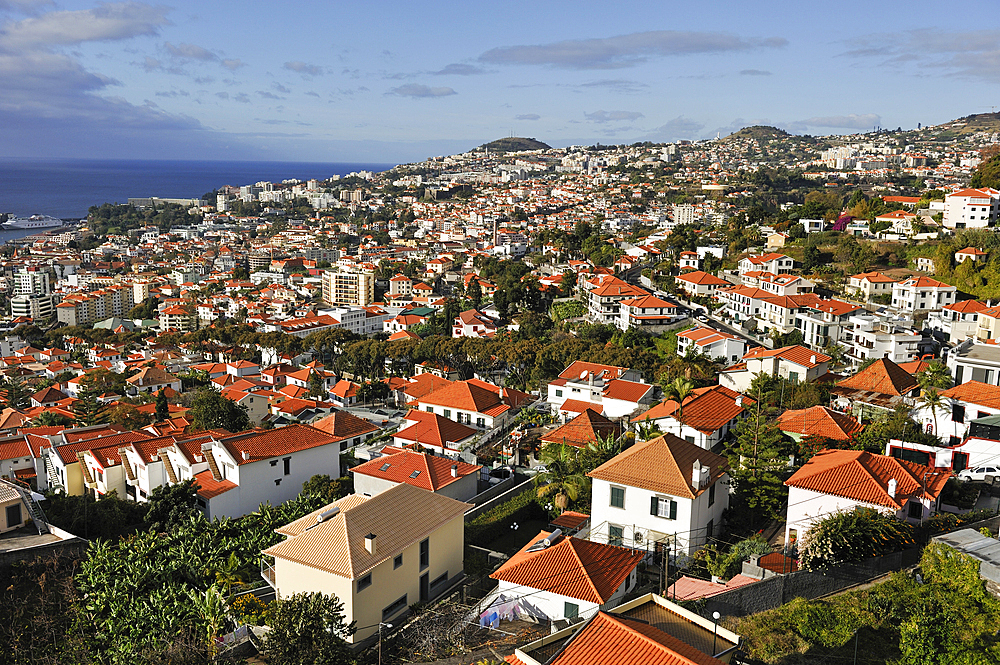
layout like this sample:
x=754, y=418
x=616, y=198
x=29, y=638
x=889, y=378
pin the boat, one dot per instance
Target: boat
x=33, y=222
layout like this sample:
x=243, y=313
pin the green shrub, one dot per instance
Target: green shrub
x=854, y=535
x=496, y=522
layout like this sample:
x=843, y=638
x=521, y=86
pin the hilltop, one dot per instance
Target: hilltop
x=514, y=144
x=759, y=132
x=970, y=124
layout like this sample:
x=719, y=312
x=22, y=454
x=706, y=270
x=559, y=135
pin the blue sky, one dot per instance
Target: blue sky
x=401, y=81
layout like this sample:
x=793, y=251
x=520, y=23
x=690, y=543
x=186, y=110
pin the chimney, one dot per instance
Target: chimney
x=454, y=471
x=739, y=400
x=812, y=359
x=370, y=543
x=696, y=475
x=892, y=488
x=590, y=378
x=501, y=393
x=246, y=455
x=706, y=475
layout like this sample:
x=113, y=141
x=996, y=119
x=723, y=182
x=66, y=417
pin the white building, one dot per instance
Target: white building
x=971, y=208
x=659, y=492
x=917, y=294
x=957, y=321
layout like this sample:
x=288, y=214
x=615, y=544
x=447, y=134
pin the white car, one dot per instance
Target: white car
x=978, y=473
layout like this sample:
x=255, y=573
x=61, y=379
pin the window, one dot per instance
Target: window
x=617, y=497
x=571, y=611
x=615, y=535
x=711, y=495
x=558, y=393
x=430, y=409
x=689, y=439
x=447, y=413
x=425, y=553
x=277, y=481
x=957, y=413
x=274, y=462
x=914, y=510
x=666, y=508
x=288, y=465
x=397, y=562
x=396, y=606
x=365, y=582
x=480, y=422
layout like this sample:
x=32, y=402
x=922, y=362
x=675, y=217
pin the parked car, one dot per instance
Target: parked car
x=500, y=474
x=978, y=473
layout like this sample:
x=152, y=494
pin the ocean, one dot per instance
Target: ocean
x=67, y=188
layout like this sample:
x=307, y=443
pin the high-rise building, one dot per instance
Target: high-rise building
x=33, y=281
x=348, y=288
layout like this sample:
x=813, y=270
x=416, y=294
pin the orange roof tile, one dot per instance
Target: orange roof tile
x=344, y=425
x=208, y=487
x=975, y=392
x=864, y=477
x=261, y=444
x=882, y=376
x=664, y=465
x=820, y=421
x=433, y=429
x=432, y=472
x=584, y=429
x=580, y=569
x=706, y=409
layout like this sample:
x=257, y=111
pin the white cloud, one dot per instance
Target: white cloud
x=418, y=90
x=112, y=21
x=625, y=50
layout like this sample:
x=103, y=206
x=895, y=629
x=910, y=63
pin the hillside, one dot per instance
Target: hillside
x=759, y=132
x=514, y=144
x=970, y=124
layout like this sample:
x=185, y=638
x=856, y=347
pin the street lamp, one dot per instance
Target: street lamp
x=380, y=624
x=716, y=616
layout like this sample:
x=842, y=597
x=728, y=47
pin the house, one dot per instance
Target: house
x=563, y=577
x=812, y=225
x=819, y=421
x=988, y=324
x=663, y=491
x=584, y=429
x=868, y=285
x=587, y=382
x=646, y=313
x=974, y=360
x=152, y=379
x=925, y=264
x=712, y=343
x=476, y=403
x=960, y=321
x=772, y=262
x=473, y=323
x=700, y=283
x=971, y=253
x=378, y=555
x=962, y=405
x=917, y=294
x=742, y=303
x=452, y=478
x=436, y=432
x=347, y=429
x=794, y=363
x=881, y=386
x=603, y=300
x=835, y=480
x=873, y=337
x=688, y=261
x=981, y=447
x=649, y=630
x=824, y=322
x=971, y=208
x=13, y=512
x=706, y=419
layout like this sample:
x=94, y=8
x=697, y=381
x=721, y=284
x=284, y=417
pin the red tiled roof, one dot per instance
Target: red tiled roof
x=580, y=569
x=864, y=477
x=263, y=444
x=706, y=409
x=584, y=429
x=344, y=425
x=609, y=639
x=580, y=406
x=209, y=487
x=692, y=588
x=975, y=392
x=570, y=520
x=882, y=376
x=820, y=421
x=701, y=277
x=433, y=429
x=797, y=354
x=663, y=465
x=432, y=472
x=578, y=367
x=464, y=395
x=15, y=449
x=966, y=307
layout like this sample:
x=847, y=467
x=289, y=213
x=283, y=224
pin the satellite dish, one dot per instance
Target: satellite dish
x=583, y=374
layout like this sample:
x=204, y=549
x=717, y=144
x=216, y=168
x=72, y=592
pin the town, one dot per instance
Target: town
x=733, y=400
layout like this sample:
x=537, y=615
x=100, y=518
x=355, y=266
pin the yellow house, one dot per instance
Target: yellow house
x=378, y=555
x=12, y=512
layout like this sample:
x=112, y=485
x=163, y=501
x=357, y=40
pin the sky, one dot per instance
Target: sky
x=402, y=81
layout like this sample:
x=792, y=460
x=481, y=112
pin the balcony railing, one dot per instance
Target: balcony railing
x=267, y=572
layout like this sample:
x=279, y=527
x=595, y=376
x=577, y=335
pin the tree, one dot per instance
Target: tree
x=172, y=505
x=564, y=480
x=309, y=629
x=51, y=419
x=330, y=489
x=937, y=375
x=811, y=257
x=474, y=292
x=931, y=399
x=210, y=410
x=758, y=459
x=128, y=416
x=17, y=397
x=317, y=385
x=89, y=410
x=678, y=390
x=162, y=408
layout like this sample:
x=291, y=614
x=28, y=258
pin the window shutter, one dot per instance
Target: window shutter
x=673, y=510
x=654, y=503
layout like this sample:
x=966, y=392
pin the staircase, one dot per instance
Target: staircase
x=167, y=466
x=212, y=464
x=34, y=510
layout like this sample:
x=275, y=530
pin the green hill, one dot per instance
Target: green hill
x=514, y=144
x=970, y=124
x=759, y=132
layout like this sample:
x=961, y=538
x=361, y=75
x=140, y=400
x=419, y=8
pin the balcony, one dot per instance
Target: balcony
x=267, y=572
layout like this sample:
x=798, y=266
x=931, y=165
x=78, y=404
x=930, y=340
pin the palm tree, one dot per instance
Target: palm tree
x=679, y=390
x=564, y=480
x=932, y=399
x=937, y=375
x=649, y=429
x=51, y=419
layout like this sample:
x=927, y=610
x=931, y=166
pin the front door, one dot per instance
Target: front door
x=424, y=588
x=14, y=515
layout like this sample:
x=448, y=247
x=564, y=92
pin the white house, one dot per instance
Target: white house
x=870, y=284
x=561, y=577
x=974, y=360
x=712, y=343
x=700, y=283
x=473, y=323
x=836, y=480
x=916, y=294
x=451, y=478
x=971, y=208
x=771, y=262
x=586, y=382
x=662, y=491
x=646, y=313
x=795, y=363
x=707, y=417
x=957, y=321
x=963, y=404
